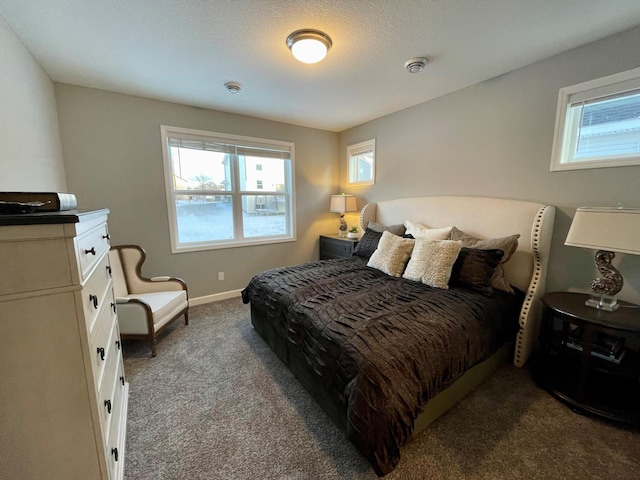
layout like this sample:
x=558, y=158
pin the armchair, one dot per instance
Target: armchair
x=146, y=306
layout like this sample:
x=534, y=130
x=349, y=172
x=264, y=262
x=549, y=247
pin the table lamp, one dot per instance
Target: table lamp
x=607, y=230
x=342, y=204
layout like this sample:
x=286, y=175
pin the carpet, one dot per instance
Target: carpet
x=216, y=403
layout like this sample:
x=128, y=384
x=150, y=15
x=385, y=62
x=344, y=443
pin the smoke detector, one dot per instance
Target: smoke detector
x=233, y=87
x=416, y=65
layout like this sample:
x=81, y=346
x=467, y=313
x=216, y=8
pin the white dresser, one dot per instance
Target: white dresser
x=63, y=393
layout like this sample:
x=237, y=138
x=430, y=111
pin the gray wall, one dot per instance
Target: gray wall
x=113, y=159
x=31, y=156
x=495, y=139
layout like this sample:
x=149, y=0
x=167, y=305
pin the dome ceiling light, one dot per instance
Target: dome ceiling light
x=309, y=46
x=416, y=65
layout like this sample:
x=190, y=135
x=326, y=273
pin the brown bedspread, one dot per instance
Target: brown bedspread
x=385, y=344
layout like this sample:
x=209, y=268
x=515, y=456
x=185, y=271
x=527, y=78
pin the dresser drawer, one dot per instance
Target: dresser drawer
x=90, y=247
x=96, y=293
x=108, y=388
x=100, y=347
x=117, y=430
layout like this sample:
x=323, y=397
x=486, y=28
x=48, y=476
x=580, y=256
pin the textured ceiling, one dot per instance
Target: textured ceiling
x=185, y=50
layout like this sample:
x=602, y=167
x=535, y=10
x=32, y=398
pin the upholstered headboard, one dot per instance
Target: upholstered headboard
x=485, y=217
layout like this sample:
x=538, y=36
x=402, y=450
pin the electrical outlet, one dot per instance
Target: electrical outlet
x=220, y=276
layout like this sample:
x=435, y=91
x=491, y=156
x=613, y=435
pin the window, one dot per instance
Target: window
x=361, y=160
x=598, y=123
x=218, y=197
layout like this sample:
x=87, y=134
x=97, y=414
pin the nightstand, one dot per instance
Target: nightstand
x=334, y=246
x=585, y=359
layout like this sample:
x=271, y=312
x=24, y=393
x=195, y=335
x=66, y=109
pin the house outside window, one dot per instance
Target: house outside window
x=217, y=197
x=598, y=123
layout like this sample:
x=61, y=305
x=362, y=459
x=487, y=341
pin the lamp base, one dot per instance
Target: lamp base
x=602, y=302
x=342, y=231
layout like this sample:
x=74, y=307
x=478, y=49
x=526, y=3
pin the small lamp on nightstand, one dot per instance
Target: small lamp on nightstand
x=606, y=230
x=342, y=204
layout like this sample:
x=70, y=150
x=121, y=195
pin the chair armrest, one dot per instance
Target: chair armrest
x=121, y=300
x=157, y=284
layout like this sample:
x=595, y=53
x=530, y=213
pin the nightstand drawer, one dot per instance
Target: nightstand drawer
x=336, y=247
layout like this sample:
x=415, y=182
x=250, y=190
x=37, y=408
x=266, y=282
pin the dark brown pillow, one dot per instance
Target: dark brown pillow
x=474, y=269
x=507, y=244
x=367, y=244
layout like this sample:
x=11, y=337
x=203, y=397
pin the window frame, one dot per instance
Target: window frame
x=235, y=192
x=352, y=152
x=564, y=140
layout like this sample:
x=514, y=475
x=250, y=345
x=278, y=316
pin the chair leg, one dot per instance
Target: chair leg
x=186, y=317
x=152, y=344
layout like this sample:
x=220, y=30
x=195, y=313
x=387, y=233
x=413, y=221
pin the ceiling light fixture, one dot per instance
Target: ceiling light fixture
x=233, y=87
x=416, y=65
x=309, y=46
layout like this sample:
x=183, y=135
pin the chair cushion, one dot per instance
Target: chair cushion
x=163, y=304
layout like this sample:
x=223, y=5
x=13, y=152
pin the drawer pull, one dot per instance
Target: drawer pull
x=122, y=381
x=109, y=270
x=113, y=307
x=107, y=403
x=101, y=352
x=92, y=251
x=94, y=299
x=118, y=344
x=114, y=452
x=106, y=237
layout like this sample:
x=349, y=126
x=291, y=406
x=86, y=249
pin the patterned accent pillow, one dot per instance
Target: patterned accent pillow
x=507, y=244
x=367, y=244
x=474, y=268
x=431, y=262
x=418, y=230
x=392, y=254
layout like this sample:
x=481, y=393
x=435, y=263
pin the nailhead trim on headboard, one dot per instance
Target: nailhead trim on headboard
x=536, y=289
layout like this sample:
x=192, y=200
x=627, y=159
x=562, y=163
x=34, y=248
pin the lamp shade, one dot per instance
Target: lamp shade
x=611, y=229
x=343, y=203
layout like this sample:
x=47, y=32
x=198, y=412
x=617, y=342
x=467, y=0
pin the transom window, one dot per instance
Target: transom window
x=598, y=123
x=361, y=159
x=227, y=190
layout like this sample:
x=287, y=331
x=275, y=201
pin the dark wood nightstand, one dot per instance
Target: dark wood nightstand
x=333, y=246
x=585, y=359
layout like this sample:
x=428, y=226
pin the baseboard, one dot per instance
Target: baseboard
x=215, y=297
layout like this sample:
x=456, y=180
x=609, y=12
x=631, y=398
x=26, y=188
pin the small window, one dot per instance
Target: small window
x=218, y=197
x=598, y=123
x=361, y=159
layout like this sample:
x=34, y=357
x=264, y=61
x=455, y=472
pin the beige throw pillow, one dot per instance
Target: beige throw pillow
x=418, y=230
x=507, y=244
x=392, y=254
x=431, y=262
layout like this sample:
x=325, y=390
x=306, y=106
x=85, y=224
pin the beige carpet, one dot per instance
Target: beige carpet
x=216, y=403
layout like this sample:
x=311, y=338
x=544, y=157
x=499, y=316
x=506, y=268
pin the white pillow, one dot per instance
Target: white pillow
x=392, y=254
x=417, y=230
x=431, y=262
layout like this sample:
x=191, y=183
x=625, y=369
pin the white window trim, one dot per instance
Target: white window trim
x=562, y=139
x=352, y=150
x=165, y=132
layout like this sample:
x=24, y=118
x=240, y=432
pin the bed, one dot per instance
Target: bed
x=440, y=291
